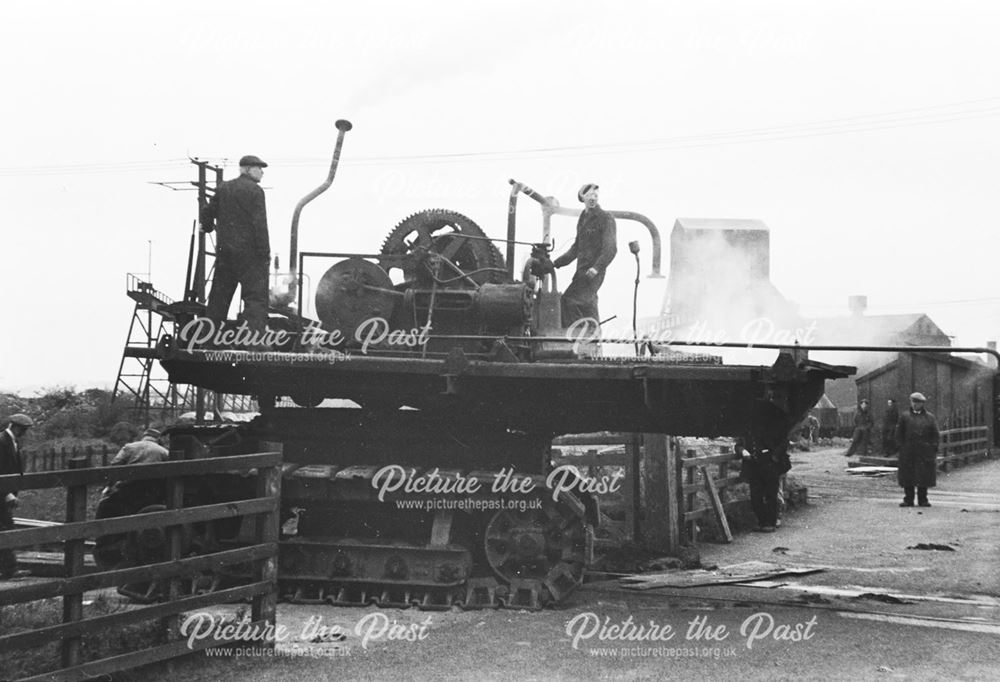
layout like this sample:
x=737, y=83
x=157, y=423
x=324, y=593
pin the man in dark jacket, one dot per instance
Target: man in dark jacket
x=237, y=210
x=889, y=421
x=917, y=436
x=863, y=424
x=593, y=250
x=765, y=460
x=10, y=463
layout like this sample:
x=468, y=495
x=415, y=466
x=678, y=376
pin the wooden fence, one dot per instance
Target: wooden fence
x=660, y=489
x=76, y=479
x=962, y=445
x=51, y=459
x=615, y=450
x=716, y=473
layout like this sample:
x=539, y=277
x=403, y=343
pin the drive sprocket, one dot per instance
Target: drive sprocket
x=467, y=254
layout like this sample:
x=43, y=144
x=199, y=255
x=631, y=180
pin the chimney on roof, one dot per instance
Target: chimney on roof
x=857, y=305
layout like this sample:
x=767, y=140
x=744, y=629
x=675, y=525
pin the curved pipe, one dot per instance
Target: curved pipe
x=653, y=233
x=293, y=250
x=517, y=187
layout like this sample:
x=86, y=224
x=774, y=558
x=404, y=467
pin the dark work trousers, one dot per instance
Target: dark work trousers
x=908, y=494
x=250, y=273
x=8, y=562
x=764, y=497
x=889, y=447
x=579, y=301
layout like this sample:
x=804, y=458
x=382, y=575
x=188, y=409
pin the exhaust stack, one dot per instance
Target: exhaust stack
x=293, y=250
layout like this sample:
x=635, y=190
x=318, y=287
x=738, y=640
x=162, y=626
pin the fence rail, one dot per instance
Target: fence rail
x=712, y=483
x=962, y=445
x=76, y=478
x=616, y=450
x=52, y=459
x=662, y=491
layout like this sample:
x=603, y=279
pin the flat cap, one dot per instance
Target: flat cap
x=155, y=433
x=918, y=396
x=21, y=420
x=251, y=160
x=586, y=188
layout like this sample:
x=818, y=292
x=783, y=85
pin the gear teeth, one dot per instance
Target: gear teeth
x=486, y=253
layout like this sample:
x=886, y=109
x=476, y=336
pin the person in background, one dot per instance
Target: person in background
x=863, y=423
x=11, y=463
x=812, y=424
x=146, y=450
x=765, y=461
x=917, y=437
x=889, y=420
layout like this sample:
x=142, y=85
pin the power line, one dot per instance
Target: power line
x=846, y=125
x=900, y=118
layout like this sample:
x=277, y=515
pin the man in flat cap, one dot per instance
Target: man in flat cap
x=593, y=250
x=917, y=438
x=146, y=450
x=243, y=250
x=10, y=463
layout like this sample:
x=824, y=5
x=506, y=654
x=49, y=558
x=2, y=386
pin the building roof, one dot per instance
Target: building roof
x=966, y=362
x=721, y=224
x=916, y=328
x=824, y=403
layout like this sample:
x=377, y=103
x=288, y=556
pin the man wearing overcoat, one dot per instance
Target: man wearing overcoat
x=917, y=437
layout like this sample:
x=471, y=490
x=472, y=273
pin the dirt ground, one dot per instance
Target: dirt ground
x=878, y=610
x=854, y=526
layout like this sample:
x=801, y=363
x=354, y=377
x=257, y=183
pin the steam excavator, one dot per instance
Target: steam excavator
x=416, y=409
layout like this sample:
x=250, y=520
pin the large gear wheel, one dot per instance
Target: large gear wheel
x=468, y=256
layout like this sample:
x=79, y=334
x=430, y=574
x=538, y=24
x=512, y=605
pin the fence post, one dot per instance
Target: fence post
x=76, y=510
x=631, y=491
x=265, y=605
x=691, y=499
x=175, y=536
x=656, y=505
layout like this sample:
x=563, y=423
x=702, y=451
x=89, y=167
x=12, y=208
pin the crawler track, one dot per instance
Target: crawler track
x=354, y=547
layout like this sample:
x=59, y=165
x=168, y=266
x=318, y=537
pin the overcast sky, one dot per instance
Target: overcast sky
x=864, y=134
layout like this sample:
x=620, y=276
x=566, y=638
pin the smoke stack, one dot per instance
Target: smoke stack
x=857, y=305
x=991, y=359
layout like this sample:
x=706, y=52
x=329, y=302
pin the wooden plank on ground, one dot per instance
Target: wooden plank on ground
x=749, y=571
